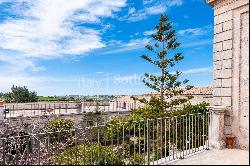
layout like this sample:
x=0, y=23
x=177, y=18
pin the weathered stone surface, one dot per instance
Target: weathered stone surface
x=218, y=65
x=217, y=83
x=227, y=45
x=228, y=130
x=227, y=54
x=227, y=35
x=225, y=73
x=223, y=17
x=223, y=92
x=227, y=25
x=231, y=65
x=226, y=83
x=215, y=157
x=217, y=127
x=217, y=101
x=244, y=83
x=226, y=101
x=218, y=47
x=226, y=64
x=223, y=55
x=228, y=120
x=217, y=56
x=223, y=6
x=218, y=28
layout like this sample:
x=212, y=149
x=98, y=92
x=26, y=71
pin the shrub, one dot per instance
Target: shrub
x=134, y=125
x=59, y=129
x=88, y=154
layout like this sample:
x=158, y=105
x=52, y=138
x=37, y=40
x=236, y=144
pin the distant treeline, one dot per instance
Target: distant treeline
x=54, y=98
x=19, y=94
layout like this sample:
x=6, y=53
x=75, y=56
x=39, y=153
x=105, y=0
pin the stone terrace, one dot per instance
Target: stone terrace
x=216, y=157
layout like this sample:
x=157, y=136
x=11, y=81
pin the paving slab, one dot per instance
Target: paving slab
x=216, y=157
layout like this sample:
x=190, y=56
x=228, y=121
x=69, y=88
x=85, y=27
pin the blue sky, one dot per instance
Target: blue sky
x=87, y=47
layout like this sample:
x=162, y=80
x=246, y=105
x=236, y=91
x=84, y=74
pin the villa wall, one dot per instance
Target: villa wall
x=231, y=66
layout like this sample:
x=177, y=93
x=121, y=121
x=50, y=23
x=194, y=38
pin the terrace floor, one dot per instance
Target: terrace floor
x=216, y=157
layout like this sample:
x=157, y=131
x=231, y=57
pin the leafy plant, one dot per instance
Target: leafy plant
x=88, y=154
x=58, y=129
x=20, y=94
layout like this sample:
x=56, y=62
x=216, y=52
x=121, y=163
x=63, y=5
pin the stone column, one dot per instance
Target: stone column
x=1, y=112
x=216, y=128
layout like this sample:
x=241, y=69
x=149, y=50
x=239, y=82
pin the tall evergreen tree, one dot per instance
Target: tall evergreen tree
x=167, y=83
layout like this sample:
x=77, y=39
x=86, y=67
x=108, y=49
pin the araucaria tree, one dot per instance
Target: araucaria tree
x=166, y=83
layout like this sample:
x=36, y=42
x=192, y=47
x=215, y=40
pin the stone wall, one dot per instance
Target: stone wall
x=231, y=66
x=36, y=123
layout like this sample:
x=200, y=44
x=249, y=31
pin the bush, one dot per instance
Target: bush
x=192, y=109
x=20, y=94
x=88, y=154
x=58, y=129
x=138, y=118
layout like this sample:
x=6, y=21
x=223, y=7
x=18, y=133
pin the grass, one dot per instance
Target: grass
x=43, y=98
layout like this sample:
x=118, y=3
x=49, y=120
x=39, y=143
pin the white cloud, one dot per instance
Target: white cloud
x=114, y=42
x=122, y=49
x=145, y=2
x=131, y=10
x=193, y=71
x=156, y=9
x=198, y=43
x=150, y=32
x=151, y=7
x=134, y=42
x=47, y=29
x=18, y=64
x=170, y=2
x=198, y=70
x=196, y=31
x=32, y=82
x=175, y=3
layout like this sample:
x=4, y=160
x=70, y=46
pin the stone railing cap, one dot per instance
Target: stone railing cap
x=220, y=109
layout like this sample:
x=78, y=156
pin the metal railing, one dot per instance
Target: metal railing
x=145, y=142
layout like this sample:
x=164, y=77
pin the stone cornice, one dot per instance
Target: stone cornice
x=219, y=3
x=211, y=2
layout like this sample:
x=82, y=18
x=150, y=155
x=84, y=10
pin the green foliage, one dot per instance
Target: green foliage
x=20, y=94
x=142, y=114
x=167, y=83
x=59, y=129
x=125, y=140
x=88, y=154
x=50, y=98
x=6, y=97
x=55, y=98
x=150, y=112
x=114, y=128
x=150, y=119
x=92, y=118
x=137, y=159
